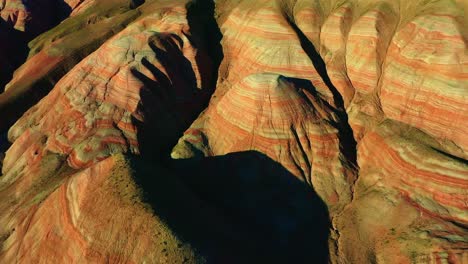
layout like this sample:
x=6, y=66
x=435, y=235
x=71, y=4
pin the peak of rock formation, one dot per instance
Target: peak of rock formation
x=286, y=131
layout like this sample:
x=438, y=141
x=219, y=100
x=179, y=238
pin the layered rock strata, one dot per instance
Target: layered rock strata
x=361, y=103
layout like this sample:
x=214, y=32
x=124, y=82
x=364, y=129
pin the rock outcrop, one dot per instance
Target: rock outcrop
x=281, y=127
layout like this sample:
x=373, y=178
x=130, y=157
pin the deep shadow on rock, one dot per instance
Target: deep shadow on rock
x=238, y=208
x=348, y=145
x=172, y=102
x=169, y=103
x=13, y=52
x=44, y=15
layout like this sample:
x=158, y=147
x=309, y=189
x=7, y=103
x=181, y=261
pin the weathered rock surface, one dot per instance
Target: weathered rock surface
x=55, y=52
x=348, y=116
x=397, y=92
x=75, y=224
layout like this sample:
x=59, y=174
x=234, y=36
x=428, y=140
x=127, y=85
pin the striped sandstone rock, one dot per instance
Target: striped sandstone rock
x=363, y=102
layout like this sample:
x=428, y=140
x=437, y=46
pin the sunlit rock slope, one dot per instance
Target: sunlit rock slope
x=230, y=131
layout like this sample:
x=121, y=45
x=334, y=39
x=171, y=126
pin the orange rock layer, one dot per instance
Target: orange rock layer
x=101, y=96
x=407, y=85
x=75, y=224
x=363, y=101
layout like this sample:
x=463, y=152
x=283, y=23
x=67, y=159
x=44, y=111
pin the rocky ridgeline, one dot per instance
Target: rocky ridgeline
x=335, y=127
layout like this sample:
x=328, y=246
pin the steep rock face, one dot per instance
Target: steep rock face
x=363, y=102
x=435, y=95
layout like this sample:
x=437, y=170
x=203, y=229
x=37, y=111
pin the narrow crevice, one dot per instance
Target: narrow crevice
x=13, y=52
x=304, y=175
x=205, y=36
x=451, y=156
x=136, y=3
x=348, y=145
x=203, y=26
x=4, y=145
x=345, y=132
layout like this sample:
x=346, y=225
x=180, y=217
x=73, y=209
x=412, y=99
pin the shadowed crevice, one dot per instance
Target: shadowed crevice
x=459, y=159
x=16, y=42
x=203, y=26
x=13, y=52
x=4, y=145
x=347, y=141
x=136, y=3
x=171, y=103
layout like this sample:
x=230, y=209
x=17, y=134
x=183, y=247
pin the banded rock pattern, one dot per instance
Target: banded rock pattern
x=408, y=152
x=292, y=114
x=372, y=83
x=103, y=96
x=402, y=173
x=364, y=102
x=54, y=53
x=79, y=220
x=284, y=118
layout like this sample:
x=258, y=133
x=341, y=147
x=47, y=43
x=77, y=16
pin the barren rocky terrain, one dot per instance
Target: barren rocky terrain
x=233, y=131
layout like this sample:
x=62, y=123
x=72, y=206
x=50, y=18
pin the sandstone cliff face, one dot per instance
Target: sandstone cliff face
x=349, y=116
